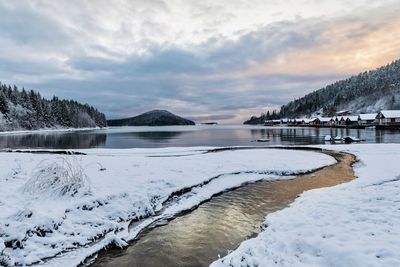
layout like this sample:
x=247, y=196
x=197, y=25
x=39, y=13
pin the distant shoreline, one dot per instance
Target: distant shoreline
x=378, y=127
x=51, y=130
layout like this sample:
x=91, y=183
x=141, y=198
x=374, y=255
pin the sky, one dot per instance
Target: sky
x=205, y=60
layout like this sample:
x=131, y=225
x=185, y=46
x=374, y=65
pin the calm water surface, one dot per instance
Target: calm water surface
x=199, y=135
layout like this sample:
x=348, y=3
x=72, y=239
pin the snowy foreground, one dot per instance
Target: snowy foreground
x=353, y=224
x=56, y=210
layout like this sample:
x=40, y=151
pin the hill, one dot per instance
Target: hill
x=152, y=118
x=27, y=110
x=367, y=92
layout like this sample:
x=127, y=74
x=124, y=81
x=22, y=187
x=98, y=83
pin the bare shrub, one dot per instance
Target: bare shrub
x=63, y=176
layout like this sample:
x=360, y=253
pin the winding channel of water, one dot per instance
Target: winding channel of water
x=213, y=229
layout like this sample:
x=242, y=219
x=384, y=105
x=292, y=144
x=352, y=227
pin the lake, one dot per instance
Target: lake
x=180, y=136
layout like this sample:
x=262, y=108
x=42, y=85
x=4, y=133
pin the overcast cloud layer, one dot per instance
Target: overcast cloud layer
x=206, y=60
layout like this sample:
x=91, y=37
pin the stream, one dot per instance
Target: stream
x=218, y=226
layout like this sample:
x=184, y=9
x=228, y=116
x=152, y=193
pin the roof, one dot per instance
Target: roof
x=368, y=116
x=350, y=118
x=390, y=113
x=325, y=119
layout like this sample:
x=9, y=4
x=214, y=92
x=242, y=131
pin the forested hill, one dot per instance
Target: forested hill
x=27, y=110
x=152, y=118
x=366, y=92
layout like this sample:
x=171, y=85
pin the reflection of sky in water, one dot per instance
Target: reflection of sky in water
x=197, y=238
x=199, y=135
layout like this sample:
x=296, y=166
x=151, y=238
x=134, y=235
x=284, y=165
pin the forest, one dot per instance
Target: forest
x=28, y=110
x=367, y=92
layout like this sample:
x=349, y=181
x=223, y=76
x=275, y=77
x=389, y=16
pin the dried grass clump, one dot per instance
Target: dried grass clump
x=62, y=176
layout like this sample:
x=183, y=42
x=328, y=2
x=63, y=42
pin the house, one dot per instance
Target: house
x=341, y=120
x=366, y=119
x=326, y=121
x=388, y=117
x=272, y=122
x=296, y=121
x=285, y=121
x=348, y=120
x=315, y=121
x=292, y=121
x=336, y=120
x=352, y=120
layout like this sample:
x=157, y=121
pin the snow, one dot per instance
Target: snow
x=338, y=138
x=350, y=138
x=353, y=224
x=390, y=113
x=350, y=118
x=325, y=119
x=368, y=116
x=307, y=120
x=118, y=185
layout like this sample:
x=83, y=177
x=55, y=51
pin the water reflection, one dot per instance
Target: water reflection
x=199, y=135
x=153, y=136
x=53, y=140
x=309, y=135
x=197, y=238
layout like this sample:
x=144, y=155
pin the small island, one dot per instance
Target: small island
x=152, y=118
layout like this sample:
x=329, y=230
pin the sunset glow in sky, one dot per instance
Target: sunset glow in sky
x=205, y=60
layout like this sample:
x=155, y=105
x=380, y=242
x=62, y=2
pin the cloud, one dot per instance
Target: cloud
x=25, y=27
x=175, y=61
x=203, y=60
x=209, y=118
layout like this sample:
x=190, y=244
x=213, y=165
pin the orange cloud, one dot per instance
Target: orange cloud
x=343, y=48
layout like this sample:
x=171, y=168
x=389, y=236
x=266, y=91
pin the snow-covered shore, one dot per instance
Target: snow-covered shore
x=114, y=187
x=353, y=224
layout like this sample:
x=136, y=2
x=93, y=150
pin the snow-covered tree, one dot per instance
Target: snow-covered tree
x=369, y=91
x=28, y=110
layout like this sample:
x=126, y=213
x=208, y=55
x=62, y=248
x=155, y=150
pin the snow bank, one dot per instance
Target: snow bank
x=353, y=224
x=128, y=184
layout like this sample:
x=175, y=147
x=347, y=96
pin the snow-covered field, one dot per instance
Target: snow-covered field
x=71, y=206
x=353, y=224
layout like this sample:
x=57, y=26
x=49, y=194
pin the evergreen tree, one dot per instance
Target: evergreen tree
x=3, y=104
x=28, y=110
x=359, y=93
